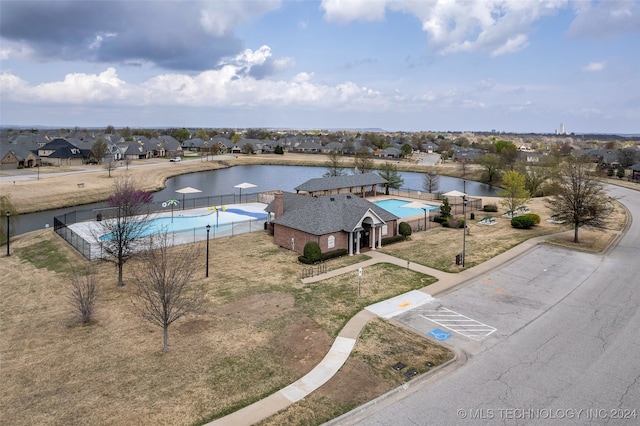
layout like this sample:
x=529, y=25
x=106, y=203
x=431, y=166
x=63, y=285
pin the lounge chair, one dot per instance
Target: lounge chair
x=488, y=220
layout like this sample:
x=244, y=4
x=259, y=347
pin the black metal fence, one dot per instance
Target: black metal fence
x=92, y=248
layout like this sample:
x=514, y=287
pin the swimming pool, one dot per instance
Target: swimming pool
x=395, y=206
x=180, y=222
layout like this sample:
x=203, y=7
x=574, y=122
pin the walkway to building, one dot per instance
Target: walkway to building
x=346, y=340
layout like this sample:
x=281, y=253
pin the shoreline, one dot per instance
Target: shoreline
x=90, y=184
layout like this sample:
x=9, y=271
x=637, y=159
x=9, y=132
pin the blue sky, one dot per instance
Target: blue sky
x=515, y=66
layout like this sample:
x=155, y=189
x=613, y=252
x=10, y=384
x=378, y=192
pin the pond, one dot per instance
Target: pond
x=266, y=178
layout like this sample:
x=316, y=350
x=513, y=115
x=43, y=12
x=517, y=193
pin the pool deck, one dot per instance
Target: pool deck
x=90, y=230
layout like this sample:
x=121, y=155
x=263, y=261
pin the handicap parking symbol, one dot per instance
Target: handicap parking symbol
x=439, y=334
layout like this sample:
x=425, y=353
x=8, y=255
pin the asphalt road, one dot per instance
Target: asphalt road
x=551, y=337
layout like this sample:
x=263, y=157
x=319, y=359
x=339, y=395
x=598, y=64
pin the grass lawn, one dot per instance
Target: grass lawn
x=262, y=329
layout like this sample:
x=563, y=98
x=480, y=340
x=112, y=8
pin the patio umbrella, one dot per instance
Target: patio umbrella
x=187, y=190
x=418, y=205
x=454, y=194
x=244, y=185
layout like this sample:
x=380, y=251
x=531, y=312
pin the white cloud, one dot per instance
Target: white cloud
x=452, y=26
x=512, y=45
x=76, y=88
x=594, y=67
x=13, y=50
x=230, y=85
x=344, y=11
x=221, y=17
x=605, y=18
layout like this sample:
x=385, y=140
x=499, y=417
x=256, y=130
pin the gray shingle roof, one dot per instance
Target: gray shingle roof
x=324, y=215
x=336, y=182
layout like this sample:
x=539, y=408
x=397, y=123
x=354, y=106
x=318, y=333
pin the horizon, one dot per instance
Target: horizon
x=336, y=129
x=526, y=67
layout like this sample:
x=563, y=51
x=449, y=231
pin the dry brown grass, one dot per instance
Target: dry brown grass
x=381, y=345
x=262, y=330
x=439, y=246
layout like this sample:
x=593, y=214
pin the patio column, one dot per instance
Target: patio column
x=372, y=238
x=351, y=243
x=380, y=238
x=357, y=242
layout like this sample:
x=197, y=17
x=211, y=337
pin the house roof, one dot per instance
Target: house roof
x=325, y=215
x=20, y=152
x=337, y=182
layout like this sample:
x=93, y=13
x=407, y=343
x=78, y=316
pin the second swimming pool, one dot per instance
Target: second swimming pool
x=395, y=206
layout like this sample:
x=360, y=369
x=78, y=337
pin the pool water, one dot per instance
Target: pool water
x=217, y=220
x=395, y=206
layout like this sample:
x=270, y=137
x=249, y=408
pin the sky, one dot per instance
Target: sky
x=398, y=65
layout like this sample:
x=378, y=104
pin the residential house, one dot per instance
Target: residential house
x=308, y=147
x=332, y=146
x=391, y=152
x=169, y=147
x=61, y=152
x=531, y=157
x=15, y=156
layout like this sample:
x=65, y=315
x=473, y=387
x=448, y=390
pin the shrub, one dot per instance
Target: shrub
x=334, y=253
x=535, y=217
x=439, y=219
x=522, y=222
x=445, y=208
x=391, y=240
x=404, y=229
x=312, y=251
x=454, y=222
x=490, y=208
x=324, y=256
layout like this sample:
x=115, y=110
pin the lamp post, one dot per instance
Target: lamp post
x=425, y=218
x=8, y=233
x=206, y=274
x=464, y=215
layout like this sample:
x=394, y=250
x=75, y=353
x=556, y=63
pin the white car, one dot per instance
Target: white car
x=175, y=159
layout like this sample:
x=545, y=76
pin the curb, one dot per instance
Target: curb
x=362, y=412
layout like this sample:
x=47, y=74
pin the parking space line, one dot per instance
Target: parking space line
x=458, y=323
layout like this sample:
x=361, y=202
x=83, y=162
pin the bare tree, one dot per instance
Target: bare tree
x=99, y=150
x=363, y=161
x=165, y=290
x=335, y=165
x=83, y=294
x=121, y=234
x=581, y=199
x=110, y=166
x=431, y=181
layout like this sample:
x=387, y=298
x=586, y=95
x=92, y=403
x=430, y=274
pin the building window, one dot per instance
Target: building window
x=331, y=241
x=384, y=229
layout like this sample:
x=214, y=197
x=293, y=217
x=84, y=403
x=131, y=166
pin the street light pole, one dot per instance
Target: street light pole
x=425, y=218
x=464, y=215
x=8, y=233
x=207, y=267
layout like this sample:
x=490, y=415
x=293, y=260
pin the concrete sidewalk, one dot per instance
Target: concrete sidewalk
x=344, y=343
